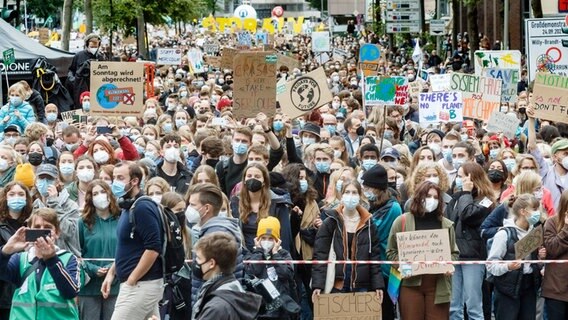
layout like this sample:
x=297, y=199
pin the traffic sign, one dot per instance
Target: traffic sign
x=403, y=4
x=437, y=27
x=403, y=27
x=9, y=56
x=403, y=15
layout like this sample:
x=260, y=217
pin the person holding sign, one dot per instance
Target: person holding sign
x=425, y=296
x=516, y=284
x=347, y=233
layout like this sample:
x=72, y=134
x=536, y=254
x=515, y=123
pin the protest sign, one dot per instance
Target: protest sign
x=415, y=87
x=117, y=88
x=426, y=245
x=440, y=82
x=437, y=107
x=168, y=56
x=211, y=47
x=261, y=38
x=341, y=306
x=550, y=95
x=369, y=55
x=320, y=41
x=254, y=84
x=481, y=95
x=290, y=62
x=340, y=54
x=305, y=94
x=501, y=64
x=529, y=243
x=227, y=57
x=214, y=61
x=226, y=24
x=67, y=116
x=195, y=57
x=502, y=122
x=244, y=40
x=385, y=90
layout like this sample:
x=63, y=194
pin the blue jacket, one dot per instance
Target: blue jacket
x=383, y=218
x=27, y=116
x=494, y=222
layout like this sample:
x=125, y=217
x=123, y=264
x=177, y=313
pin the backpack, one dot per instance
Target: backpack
x=173, y=252
x=511, y=239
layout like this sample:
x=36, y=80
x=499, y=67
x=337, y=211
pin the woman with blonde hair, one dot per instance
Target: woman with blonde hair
x=155, y=188
x=151, y=132
x=205, y=174
x=9, y=159
x=152, y=110
x=165, y=124
x=17, y=111
x=430, y=171
x=336, y=181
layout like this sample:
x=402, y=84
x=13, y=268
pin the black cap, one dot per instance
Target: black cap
x=376, y=177
x=311, y=128
x=12, y=128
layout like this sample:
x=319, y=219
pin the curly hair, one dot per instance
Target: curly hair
x=292, y=173
x=4, y=210
x=89, y=210
x=420, y=194
x=419, y=176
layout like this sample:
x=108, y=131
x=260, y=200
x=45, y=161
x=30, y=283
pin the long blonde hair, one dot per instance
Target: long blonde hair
x=245, y=207
x=479, y=179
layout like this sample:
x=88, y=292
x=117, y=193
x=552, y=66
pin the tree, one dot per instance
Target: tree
x=317, y=4
x=456, y=23
x=88, y=9
x=536, y=6
x=43, y=9
x=472, y=27
x=66, y=24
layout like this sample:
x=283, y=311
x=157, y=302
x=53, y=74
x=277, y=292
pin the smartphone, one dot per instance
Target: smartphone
x=79, y=119
x=103, y=130
x=34, y=234
x=218, y=122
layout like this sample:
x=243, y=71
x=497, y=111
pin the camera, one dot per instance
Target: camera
x=272, y=299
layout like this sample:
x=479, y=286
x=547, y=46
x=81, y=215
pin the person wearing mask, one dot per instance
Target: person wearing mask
x=102, y=151
x=384, y=209
x=56, y=269
x=323, y=155
x=426, y=296
x=267, y=247
x=229, y=172
x=9, y=160
x=15, y=209
x=78, y=77
x=97, y=237
x=11, y=134
x=221, y=297
x=155, y=188
x=462, y=152
x=171, y=168
x=448, y=142
x=205, y=200
x=516, y=284
x=554, y=289
x=17, y=111
x=85, y=173
x=66, y=165
x=354, y=132
x=51, y=194
x=471, y=204
x=430, y=171
x=368, y=157
x=497, y=173
x=350, y=233
x=137, y=265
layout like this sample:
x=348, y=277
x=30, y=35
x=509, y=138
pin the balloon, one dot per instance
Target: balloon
x=244, y=12
x=278, y=12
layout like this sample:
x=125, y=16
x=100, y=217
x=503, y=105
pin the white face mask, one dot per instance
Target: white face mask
x=434, y=180
x=100, y=201
x=308, y=140
x=93, y=50
x=157, y=198
x=430, y=204
x=171, y=154
x=267, y=245
x=101, y=156
x=85, y=175
x=436, y=148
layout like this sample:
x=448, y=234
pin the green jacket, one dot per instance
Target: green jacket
x=47, y=303
x=444, y=284
x=99, y=242
x=73, y=190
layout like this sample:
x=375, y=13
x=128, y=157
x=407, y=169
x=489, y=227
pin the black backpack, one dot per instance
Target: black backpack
x=173, y=252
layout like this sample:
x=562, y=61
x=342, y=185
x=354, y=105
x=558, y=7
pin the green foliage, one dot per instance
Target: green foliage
x=316, y=4
x=43, y=8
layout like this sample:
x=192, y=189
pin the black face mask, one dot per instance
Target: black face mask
x=495, y=176
x=35, y=158
x=253, y=185
x=211, y=162
x=360, y=131
x=49, y=142
x=196, y=270
x=392, y=185
x=522, y=110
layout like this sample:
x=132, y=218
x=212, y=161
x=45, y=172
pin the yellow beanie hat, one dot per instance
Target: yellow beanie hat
x=268, y=226
x=25, y=175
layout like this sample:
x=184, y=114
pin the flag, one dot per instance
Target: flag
x=417, y=53
x=395, y=279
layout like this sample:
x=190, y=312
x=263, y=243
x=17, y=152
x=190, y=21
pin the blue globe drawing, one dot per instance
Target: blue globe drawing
x=102, y=99
x=369, y=52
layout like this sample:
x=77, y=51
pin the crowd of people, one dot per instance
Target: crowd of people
x=337, y=183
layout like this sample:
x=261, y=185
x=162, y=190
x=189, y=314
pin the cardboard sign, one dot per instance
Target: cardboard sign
x=342, y=306
x=550, y=95
x=501, y=64
x=440, y=82
x=227, y=58
x=369, y=55
x=43, y=35
x=426, y=245
x=481, y=95
x=321, y=41
x=502, y=122
x=117, y=88
x=254, y=84
x=414, y=88
x=169, y=56
x=213, y=61
x=440, y=107
x=67, y=116
x=305, y=94
x=385, y=90
x=195, y=57
x=290, y=62
x=529, y=243
x=340, y=54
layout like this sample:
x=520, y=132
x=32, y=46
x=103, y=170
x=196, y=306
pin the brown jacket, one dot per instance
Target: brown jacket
x=555, y=282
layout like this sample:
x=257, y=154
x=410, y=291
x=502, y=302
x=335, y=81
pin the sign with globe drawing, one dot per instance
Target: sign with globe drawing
x=305, y=94
x=118, y=88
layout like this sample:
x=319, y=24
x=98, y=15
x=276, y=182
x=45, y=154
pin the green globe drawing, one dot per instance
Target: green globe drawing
x=102, y=99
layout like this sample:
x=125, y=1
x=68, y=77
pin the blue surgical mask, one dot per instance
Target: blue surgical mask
x=371, y=196
x=140, y=149
x=448, y=155
x=180, y=122
x=16, y=203
x=42, y=185
x=510, y=164
x=240, y=148
x=534, y=217
x=339, y=185
x=70, y=146
x=278, y=126
x=331, y=128
x=16, y=101
x=388, y=134
x=322, y=166
x=493, y=153
x=303, y=185
x=458, y=163
x=459, y=183
x=167, y=127
x=150, y=155
x=368, y=164
x=66, y=169
x=350, y=201
x=118, y=188
x=51, y=116
x=87, y=106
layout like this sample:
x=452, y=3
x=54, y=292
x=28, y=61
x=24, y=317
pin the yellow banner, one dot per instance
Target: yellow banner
x=249, y=24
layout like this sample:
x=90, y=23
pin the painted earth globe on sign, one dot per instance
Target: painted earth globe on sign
x=102, y=99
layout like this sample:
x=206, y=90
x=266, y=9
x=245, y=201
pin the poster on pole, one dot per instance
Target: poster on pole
x=254, y=87
x=341, y=306
x=321, y=41
x=440, y=107
x=440, y=82
x=426, y=245
x=546, y=49
x=481, y=95
x=169, y=56
x=118, y=88
x=503, y=122
x=369, y=56
x=501, y=64
x=385, y=90
x=305, y=94
x=195, y=57
x=550, y=96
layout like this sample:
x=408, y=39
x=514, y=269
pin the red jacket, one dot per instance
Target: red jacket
x=129, y=151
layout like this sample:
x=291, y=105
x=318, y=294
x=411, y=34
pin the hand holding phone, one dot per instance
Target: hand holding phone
x=104, y=130
x=33, y=234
